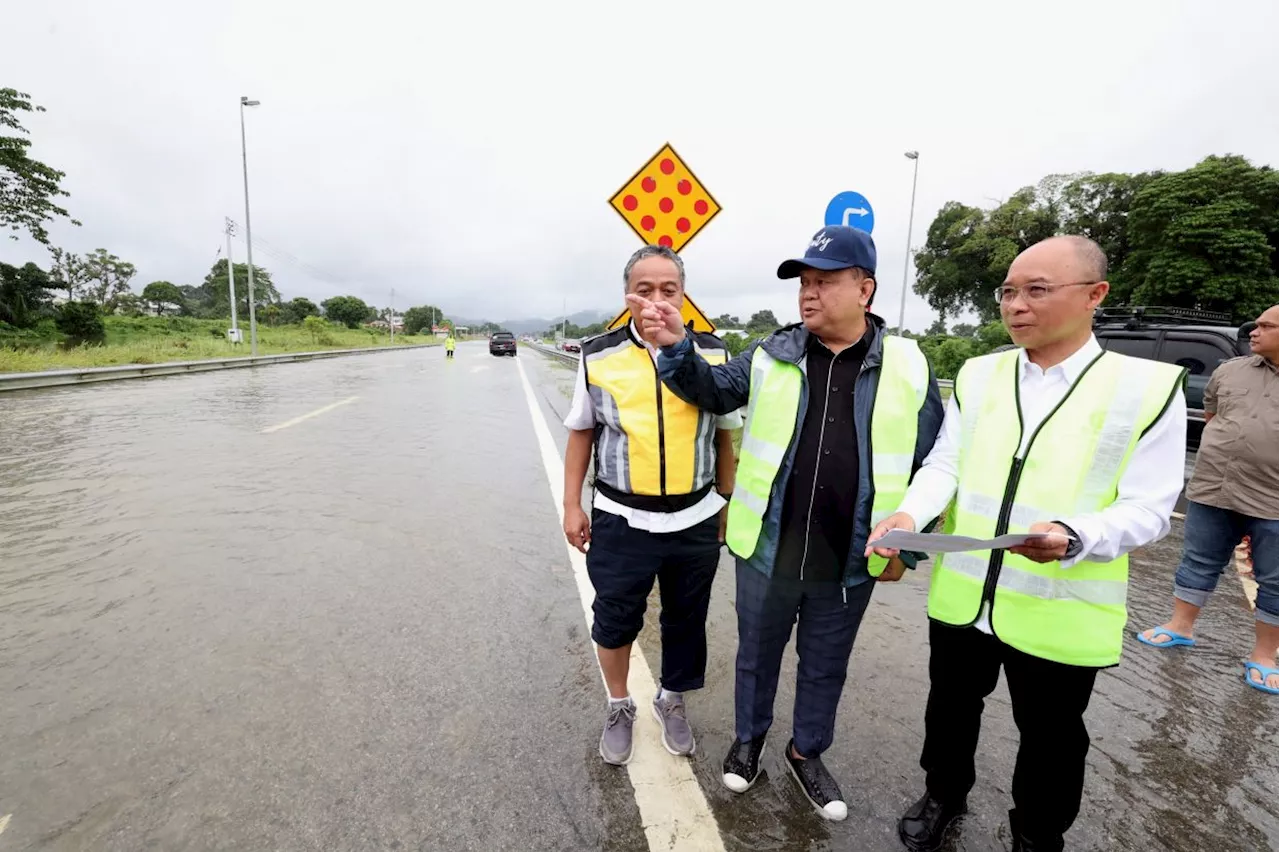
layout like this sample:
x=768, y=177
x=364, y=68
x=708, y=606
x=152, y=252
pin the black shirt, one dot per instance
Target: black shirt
x=820, y=495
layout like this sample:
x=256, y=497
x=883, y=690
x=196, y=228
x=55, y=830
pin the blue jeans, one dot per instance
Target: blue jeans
x=1210, y=536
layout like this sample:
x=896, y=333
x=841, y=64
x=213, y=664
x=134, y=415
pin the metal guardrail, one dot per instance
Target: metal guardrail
x=58, y=378
x=1193, y=414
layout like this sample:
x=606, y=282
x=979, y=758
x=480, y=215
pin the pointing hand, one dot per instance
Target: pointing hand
x=659, y=322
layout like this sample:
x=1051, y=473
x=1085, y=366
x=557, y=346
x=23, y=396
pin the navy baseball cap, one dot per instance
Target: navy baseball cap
x=834, y=247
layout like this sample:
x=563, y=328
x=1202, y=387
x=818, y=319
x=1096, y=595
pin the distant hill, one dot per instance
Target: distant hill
x=535, y=324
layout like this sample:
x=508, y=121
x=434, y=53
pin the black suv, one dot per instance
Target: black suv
x=1191, y=338
x=502, y=343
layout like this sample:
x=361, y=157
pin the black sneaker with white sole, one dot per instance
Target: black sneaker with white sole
x=818, y=786
x=742, y=764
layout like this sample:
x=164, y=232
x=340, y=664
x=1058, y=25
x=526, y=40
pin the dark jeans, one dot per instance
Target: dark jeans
x=623, y=562
x=828, y=618
x=1049, y=700
x=1209, y=540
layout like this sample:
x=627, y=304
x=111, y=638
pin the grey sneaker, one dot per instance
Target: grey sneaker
x=615, y=742
x=677, y=736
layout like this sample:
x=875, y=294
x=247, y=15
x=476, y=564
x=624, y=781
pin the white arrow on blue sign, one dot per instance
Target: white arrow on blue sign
x=851, y=208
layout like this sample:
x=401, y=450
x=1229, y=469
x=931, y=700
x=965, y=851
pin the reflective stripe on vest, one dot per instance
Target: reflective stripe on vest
x=1072, y=467
x=772, y=408
x=650, y=442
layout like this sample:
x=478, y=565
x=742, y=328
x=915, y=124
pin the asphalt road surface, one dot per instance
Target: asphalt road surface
x=328, y=606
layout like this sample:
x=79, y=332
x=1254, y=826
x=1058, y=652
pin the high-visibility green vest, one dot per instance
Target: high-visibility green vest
x=1072, y=467
x=772, y=409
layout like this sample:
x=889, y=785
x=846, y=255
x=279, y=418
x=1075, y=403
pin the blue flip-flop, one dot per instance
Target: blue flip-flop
x=1264, y=672
x=1175, y=639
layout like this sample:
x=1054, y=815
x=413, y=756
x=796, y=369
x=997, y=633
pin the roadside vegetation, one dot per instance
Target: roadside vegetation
x=156, y=340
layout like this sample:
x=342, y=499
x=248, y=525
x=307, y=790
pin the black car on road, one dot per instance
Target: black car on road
x=1191, y=338
x=502, y=343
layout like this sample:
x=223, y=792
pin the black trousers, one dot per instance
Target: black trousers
x=1049, y=700
x=623, y=562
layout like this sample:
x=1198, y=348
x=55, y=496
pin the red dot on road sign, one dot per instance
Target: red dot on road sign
x=664, y=240
x=630, y=202
x=648, y=223
x=685, y=187
x=682, y=225
x=700, y=207
x=668, y=167
x=648, y=184
x=666, y=205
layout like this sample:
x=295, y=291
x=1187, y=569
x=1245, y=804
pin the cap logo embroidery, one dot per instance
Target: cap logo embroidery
x=821, y=241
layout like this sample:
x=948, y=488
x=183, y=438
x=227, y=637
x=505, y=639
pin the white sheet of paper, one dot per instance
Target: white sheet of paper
x=938, y=543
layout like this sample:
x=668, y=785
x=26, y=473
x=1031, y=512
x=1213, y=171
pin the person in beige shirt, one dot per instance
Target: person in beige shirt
x=1233, y=494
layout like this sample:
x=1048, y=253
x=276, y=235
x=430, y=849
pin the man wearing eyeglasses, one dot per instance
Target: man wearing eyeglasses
x=1232, y=493
x=1059, y=438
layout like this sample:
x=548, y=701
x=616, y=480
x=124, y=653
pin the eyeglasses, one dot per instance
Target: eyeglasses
x=1034, y=292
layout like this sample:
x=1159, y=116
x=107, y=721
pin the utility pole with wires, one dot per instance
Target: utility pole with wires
x=234, y=334
x=391, y=315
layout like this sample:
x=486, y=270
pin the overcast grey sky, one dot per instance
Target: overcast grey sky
x=464, y=153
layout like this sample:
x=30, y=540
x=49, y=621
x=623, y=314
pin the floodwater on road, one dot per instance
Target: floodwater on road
x=362, y=631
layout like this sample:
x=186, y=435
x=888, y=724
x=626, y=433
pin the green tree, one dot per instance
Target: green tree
x=1097, y=207
x=296, y=310
x=939, y=328
x=130, y=305
x=162, y=295
x=69, y=272
x=81, y=321
x=963, y=329
x=347, y=310
x=108, y=278
x=319, y=328
x=763, y=322
x=737, y=343
x=421, y=317
x=968, y=251
x=29, y=189
x=726, y=321
x=216, y=298
x=1206, y=238
x=24, y=294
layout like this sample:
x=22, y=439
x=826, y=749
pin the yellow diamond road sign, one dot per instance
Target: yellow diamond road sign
x=664, y=203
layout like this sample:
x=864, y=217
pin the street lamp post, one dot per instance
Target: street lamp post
x=248, y=228
x=906, y=261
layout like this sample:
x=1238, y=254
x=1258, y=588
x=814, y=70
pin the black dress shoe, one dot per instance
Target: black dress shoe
x=819, y=787
x=742, y=764
x=924, y=826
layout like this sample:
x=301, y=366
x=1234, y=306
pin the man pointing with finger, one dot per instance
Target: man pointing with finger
x=1054, y=437
x=839, y=414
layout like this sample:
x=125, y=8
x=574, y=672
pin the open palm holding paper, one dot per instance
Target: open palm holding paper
x=659, y=321
x=1045, y=542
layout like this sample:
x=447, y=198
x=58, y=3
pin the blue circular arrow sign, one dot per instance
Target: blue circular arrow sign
x=851, y=208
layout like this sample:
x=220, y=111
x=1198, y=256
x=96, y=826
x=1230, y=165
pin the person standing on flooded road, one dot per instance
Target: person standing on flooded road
x=1054, y=437
x=839, y=414
x=450, y=343
x=661, y=470
x=1232, y=493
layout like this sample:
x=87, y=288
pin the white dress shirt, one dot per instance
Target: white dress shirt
x=1146, y=493
x=582, y=415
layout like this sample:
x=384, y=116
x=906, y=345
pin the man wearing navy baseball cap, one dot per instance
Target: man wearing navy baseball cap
x=839, y=416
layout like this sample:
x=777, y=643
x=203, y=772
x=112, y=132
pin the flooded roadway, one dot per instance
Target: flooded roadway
x=361, y=631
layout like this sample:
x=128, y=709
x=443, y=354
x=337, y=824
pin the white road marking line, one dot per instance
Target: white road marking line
x=295, y=421
x=672, y=806
x=4, y=822
x=1180, y=516
x=478, y=369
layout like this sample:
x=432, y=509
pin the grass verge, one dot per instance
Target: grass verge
x=157, y=340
